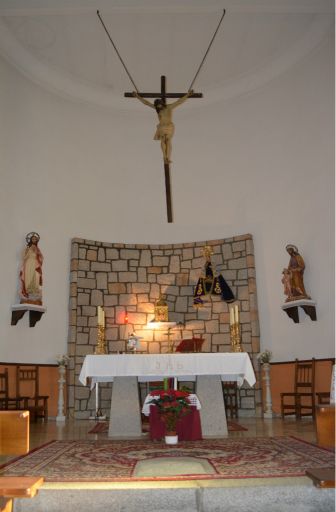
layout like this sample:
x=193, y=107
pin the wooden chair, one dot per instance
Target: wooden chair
x=301, y=401
x=27, y=380
x=6, y=402
x=231, y=399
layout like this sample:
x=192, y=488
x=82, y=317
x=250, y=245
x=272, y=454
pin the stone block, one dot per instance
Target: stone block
x=129, y=254
x=174, y=266
x=238, y=246
x=112, y=333
x=127, y=277
x=168, y=279
x=142, y=275
x=83, y=265
x=181, y=304
x=82, y=321
x=110, y=300
x=188, y=254
x=145, y=258
x=198, y=262
x=119, y=265
x=140, y=288
x=112, y=254
x=137, y=318
x=237, y=263
x=112, y=277
x=142, y=297
x=83, y=299
x=101, y=254
x=182, y=279
x=101, y=280
x=126, y=299
x=154, y=270
x=86, y=283
x=186, y=264
x=89, y=311
x=219, y=307
x=227, y=251
x=82, y=338
x=250, y=261
x=243, y=293
x=212, y=326
x=160, y=261
x=145, y=307
x=116, y=288
x=91, y=255
x=100, y=267
x=97, y=298
x=82, y=253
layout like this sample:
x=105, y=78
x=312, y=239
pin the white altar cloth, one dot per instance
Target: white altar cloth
x=230, y=366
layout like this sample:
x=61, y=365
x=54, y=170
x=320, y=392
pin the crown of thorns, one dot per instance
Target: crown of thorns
x=30, y=236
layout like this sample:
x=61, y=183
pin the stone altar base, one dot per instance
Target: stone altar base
x=213, y=417
x=125, y=415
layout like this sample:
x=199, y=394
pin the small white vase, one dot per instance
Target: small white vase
x=171, y=439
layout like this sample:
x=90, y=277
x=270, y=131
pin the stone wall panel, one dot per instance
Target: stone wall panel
x=128, y=278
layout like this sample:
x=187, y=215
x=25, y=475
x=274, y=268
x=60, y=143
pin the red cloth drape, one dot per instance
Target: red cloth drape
x=188, y=428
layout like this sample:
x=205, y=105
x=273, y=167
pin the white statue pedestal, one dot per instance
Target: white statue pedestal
x=61, y=381
x=268, y=413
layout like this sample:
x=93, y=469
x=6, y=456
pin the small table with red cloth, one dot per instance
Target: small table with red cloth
x=188, y=427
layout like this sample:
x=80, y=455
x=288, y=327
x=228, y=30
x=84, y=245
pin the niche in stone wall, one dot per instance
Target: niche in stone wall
x=128, y=279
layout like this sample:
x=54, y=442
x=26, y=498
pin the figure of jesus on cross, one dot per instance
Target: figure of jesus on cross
x=165, y=129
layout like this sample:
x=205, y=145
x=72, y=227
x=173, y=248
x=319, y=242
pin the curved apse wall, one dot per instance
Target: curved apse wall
x=126, y=278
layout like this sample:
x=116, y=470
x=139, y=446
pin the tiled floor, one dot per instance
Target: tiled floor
x=41, y=433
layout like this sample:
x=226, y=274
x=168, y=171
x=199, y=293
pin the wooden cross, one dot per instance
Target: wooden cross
x=164, y=95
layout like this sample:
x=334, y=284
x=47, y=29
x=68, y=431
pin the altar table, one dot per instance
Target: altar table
x=126, y=370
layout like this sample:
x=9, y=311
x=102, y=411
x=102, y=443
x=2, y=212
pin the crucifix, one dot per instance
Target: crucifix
x=165, y=128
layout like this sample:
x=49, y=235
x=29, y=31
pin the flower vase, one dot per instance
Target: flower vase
x=171, y=438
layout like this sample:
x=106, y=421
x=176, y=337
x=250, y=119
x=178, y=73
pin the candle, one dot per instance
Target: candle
x=231, y=316
x=236, y=315
x=101, y=316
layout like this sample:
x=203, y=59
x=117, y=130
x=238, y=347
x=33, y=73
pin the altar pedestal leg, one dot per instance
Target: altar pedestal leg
x=213, y=417
x=125, y=416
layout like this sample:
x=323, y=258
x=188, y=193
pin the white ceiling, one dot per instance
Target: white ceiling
x=61, y=44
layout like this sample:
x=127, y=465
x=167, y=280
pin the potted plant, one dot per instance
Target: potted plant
x=172, y=405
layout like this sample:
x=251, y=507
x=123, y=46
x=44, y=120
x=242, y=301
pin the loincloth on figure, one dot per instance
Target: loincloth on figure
x=164, y=130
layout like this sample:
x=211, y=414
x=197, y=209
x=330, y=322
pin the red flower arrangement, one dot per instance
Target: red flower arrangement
x=172, y=405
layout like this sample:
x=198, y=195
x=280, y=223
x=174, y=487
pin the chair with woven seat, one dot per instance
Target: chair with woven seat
x=27, y=389
x=231, y=399
x=301, y=401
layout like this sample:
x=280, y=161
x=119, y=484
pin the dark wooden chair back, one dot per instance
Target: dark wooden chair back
x=231, y=398
x=304, y=376
x=27, y=389
x=4, y=389
x=190, y=345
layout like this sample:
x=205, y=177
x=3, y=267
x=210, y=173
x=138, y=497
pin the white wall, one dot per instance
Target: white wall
x=260, y=164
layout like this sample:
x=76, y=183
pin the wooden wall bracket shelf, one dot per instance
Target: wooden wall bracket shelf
x=292, y=309
x=35, y=313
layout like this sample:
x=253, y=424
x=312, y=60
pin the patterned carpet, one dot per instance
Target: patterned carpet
x=102, y=427
x=106, y=460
